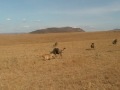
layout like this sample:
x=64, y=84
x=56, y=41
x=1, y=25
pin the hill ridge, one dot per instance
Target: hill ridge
x=58, y=30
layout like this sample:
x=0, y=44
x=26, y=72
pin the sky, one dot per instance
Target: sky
x=19, y=16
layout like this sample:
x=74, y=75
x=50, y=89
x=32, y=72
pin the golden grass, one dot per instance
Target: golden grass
x=81, y=68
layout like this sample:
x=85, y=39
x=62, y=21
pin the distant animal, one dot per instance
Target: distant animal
x=92, y=45
x=55, y=44
x=48, y=56
x=57, y=51
x=114, y=41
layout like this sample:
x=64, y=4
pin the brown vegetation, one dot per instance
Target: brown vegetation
x=81, y=68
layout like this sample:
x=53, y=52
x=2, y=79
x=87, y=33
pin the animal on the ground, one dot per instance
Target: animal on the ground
x=55, y=44
x=48, y=56
x=57, y=51
x=92, y=45
x=114, y=41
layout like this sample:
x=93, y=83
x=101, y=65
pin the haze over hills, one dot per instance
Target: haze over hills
x=58, y=30
x=115, y=30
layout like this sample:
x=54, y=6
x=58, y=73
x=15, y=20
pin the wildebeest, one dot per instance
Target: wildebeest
x=114, y=41
x=92, y=45
x=58, y=51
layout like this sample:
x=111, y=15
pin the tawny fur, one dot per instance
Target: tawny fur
x=55, y=44
x=92, y=45
x=48, y=56
x=114, y=41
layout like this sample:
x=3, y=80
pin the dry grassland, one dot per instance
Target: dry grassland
x=22, y=68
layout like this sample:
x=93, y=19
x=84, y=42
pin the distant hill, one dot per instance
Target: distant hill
x=57, y=30
x=115, y=30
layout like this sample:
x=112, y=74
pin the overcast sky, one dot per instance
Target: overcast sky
x=29, y=15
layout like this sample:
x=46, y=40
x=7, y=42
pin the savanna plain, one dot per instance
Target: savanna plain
x=80, y=68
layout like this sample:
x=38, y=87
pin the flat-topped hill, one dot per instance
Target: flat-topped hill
x=58, y=30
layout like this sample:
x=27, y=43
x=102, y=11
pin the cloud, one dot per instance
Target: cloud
x=8, y=19
x=26, y=26
x=37, y=21
x=24, y=19
x=102, y=10
x=87, y=27
x=111, y=8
